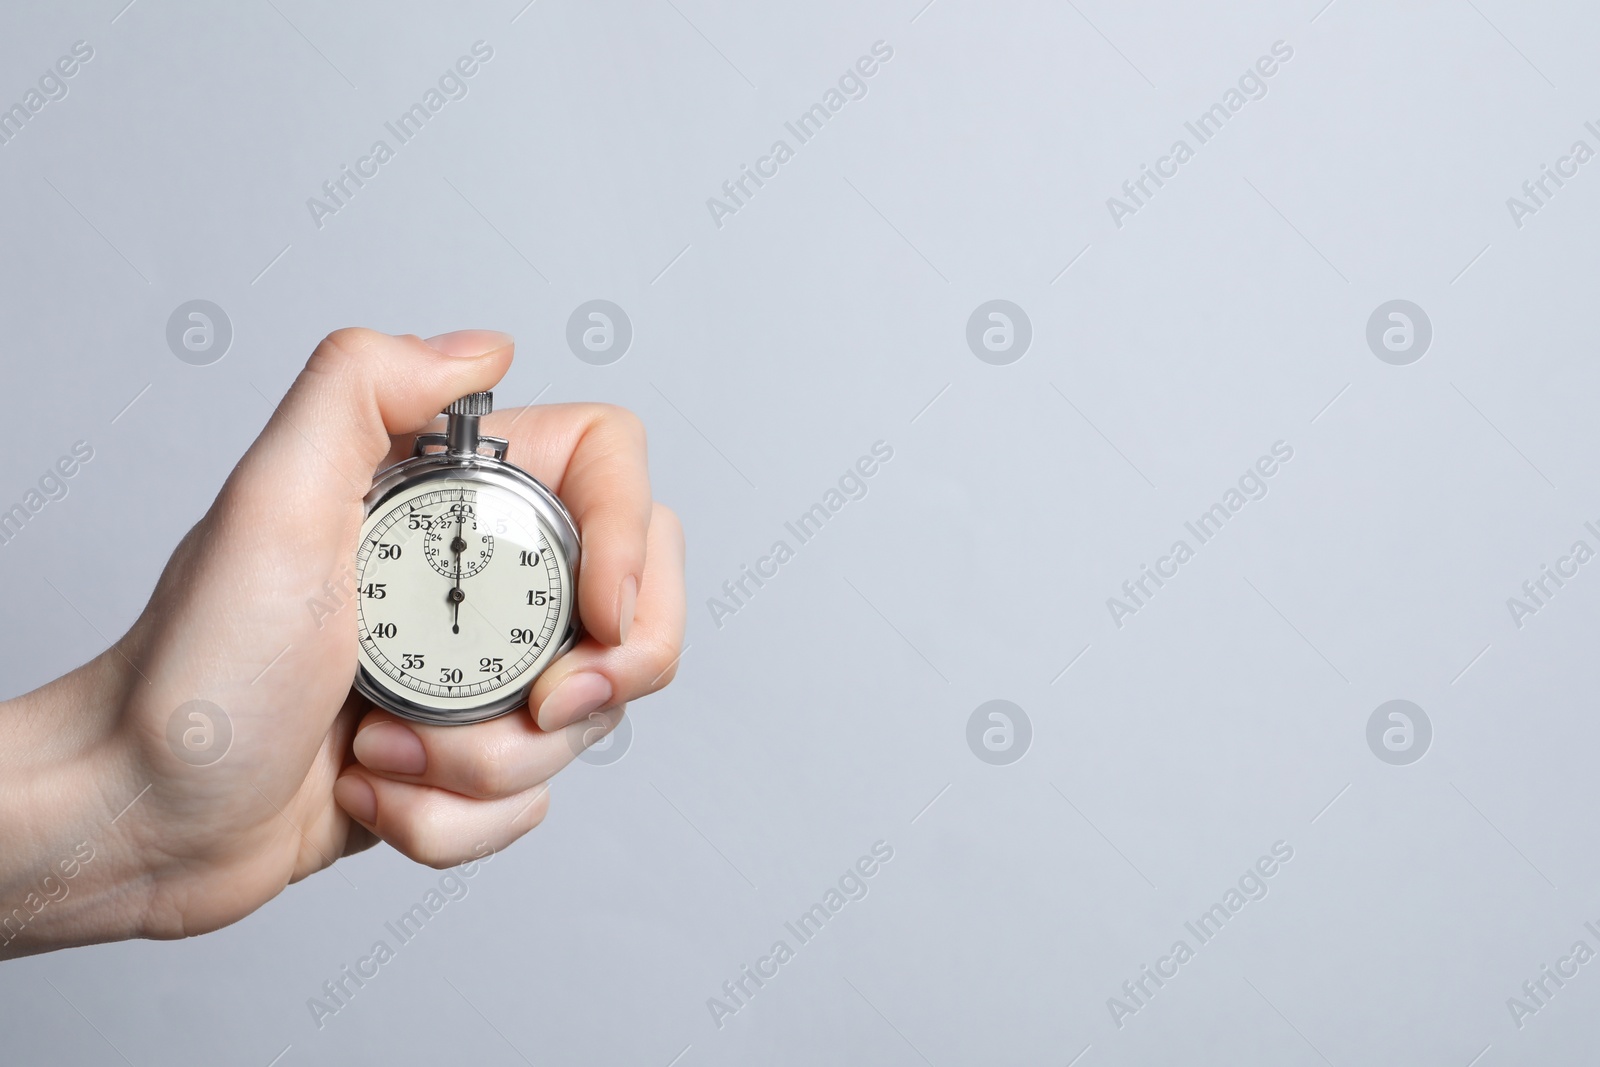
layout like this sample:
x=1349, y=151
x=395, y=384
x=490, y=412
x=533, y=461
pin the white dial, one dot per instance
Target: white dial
x=464, y=594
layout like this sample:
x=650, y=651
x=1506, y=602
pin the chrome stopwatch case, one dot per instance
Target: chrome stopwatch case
x=466, y=578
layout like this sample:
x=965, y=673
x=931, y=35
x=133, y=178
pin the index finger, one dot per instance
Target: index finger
x=593, y=456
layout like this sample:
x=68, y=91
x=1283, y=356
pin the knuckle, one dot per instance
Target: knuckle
x=350, y=342
x=664, y=522
x=425, y=838
x=537, y=809
x=343, y=357
x=668, y=518
x=615, y=419
x=484, y=776
x=661, y=660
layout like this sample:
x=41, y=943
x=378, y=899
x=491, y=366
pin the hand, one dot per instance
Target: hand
x=313, y=772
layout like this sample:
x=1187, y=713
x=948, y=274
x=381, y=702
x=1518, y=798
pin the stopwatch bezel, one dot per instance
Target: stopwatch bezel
x=490, y=471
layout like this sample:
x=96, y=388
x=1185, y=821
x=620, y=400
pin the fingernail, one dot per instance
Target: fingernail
x=355, y=796
x=627, y=599
x=390, y=748
x=467, y=344
x=576, y=696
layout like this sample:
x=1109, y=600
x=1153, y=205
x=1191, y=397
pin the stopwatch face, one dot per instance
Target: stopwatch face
x=464, y=597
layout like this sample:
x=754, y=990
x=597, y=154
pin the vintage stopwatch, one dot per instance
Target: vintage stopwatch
x=467, y=578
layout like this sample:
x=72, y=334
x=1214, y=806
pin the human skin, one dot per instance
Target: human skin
x=314, y=772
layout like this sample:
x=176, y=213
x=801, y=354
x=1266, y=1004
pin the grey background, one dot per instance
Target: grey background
x=767, y=356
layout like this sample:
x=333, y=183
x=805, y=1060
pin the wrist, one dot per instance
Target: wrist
x=69, y=874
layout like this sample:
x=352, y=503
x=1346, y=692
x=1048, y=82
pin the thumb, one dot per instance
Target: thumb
x=237, y=605
x=292, y=508
x=360, y=386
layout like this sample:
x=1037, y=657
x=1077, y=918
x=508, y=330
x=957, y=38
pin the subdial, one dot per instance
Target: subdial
x=454, y=546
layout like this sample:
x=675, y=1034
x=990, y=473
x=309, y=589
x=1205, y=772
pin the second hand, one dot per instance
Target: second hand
x=457, y=546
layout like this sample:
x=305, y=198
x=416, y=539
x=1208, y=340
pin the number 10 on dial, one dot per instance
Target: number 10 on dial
x=466, y=571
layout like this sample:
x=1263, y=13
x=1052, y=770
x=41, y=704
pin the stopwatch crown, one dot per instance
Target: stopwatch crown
x=472, y=404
